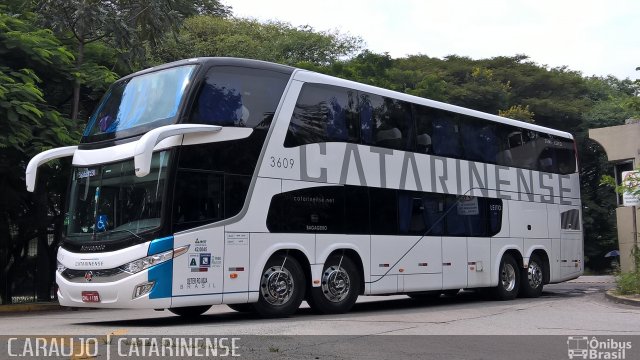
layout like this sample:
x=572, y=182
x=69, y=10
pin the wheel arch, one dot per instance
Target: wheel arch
x=512, y=251
x=546, y=265
x=295, y=250
x=353, y=255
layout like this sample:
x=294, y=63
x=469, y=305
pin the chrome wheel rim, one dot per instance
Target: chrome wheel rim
x=276, y=285
x=534, y=274
x=336, y=284
x=508, y=277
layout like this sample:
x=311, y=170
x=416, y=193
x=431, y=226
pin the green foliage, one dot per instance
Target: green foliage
x=25, y=116
x=29, y=123
x=518, y=112
x=628, y=283
x=273, y=41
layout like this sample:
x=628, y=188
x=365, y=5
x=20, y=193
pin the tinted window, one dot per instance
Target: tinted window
x=361, y=210
x=420, y=213
x=235, y=193
x=384, y=211
x=315, y=210
x=239, y=96
x=322, y=114
x=234, y=157
x=390, y=121
x=480, y=139
x=356, y=211
x=326, y=113
x=198, y=199
x=424, y=129
x=446, y=134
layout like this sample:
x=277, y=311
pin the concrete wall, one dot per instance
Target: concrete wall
x=624, y=219
x=622, y=143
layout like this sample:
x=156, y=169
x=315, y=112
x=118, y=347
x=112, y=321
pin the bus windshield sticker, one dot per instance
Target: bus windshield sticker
x=86, y=173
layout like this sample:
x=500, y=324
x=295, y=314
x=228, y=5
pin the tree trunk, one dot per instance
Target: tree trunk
x=76, y=85
x=5, y=255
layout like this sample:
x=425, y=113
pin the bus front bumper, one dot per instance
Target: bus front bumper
x=117, y=294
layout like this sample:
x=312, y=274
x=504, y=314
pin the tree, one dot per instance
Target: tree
x=127, y=25
x=28, y=125
x=272, y=41
x=518, y=112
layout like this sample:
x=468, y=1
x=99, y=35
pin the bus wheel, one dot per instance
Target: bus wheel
x=190, y=311
x=339, y=287
x=281, y=287
x=243, y=308
x=508, y=279
x=532, y=278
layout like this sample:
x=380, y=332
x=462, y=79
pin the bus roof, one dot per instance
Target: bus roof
x=220, y=61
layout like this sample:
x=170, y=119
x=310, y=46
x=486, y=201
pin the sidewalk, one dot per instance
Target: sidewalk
x=594, y=279
x=27, y=307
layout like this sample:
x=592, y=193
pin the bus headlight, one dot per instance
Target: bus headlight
x=146, y=262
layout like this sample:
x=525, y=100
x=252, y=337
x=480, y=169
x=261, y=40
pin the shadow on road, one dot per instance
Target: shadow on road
x=462, y=299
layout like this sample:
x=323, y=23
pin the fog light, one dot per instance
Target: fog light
x=143, y=289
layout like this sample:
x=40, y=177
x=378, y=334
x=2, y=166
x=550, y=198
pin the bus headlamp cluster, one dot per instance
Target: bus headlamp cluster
x=146, y=262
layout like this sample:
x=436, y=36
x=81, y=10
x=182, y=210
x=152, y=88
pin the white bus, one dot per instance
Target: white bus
x=232, y=181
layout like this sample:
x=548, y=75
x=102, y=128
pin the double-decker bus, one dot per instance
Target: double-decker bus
x=232, y=181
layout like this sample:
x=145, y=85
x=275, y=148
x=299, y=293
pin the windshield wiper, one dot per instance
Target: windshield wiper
x=127, y=230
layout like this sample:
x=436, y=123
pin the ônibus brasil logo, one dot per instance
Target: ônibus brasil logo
x=581, y=347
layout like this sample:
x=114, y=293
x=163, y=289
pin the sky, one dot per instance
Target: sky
x=595, y=37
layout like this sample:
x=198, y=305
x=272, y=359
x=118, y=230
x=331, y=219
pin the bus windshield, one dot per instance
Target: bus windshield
x=109, y=202
x=152, y=98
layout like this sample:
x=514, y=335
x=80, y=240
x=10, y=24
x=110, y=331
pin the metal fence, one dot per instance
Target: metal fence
x=28, y=271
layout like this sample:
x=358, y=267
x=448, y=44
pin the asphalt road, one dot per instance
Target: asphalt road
x=569, y=309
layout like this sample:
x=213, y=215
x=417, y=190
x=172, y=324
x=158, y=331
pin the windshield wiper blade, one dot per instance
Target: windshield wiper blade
x=127, y=230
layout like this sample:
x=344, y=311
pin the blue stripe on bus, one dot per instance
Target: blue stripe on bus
x=162, y=274
x=160, y=245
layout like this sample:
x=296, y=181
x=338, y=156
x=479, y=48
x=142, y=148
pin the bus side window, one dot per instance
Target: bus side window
x=198, y=198
x=356, y=210
x=324, y=113
x=480, y=140
x=495, y=216
x=238, y=96
x=311, y=210
x=391, y=122
x=420, y=213
x=424, y=129
x=446, y=135
x=384, y=211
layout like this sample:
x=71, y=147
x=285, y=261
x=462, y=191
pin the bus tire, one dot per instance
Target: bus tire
x=339, y=287
x=242, y=308
x=282, y=287
x=532, y=278
x=508, y=279
x=190, y=311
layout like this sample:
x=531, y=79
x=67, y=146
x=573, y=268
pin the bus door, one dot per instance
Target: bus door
x=570, y=241
x=200, y=271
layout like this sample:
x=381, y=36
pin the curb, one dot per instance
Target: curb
x=14, y=308
x=621, y=299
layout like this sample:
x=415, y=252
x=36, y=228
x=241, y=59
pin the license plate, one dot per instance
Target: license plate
x=90, y=297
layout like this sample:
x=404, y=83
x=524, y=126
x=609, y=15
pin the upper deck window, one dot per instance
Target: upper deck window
x=239, y=96
x=152, y=98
